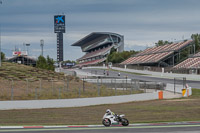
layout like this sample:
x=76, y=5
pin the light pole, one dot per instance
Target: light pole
x=42, y=44
x=0, y=38
x=27, y=45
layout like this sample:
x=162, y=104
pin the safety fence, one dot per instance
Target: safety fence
x=72, y=87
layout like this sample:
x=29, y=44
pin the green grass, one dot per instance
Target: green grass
x=195, y=93
x=174, y=110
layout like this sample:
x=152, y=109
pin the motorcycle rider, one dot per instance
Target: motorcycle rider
x=109, y=112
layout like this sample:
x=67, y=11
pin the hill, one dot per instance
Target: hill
x=22, y=72
x=20, y=82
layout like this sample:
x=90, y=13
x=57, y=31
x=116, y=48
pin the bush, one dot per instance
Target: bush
x=44, y=63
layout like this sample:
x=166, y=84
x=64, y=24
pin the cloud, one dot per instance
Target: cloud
x=142, y=22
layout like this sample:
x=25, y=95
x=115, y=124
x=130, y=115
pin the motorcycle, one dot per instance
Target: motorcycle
x=118, y=74
x=114, y=120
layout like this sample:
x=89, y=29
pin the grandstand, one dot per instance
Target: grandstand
x=97, y=46
x=166, y=55
x=190, y=63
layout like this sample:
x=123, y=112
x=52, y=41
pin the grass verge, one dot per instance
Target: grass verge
x=187, y=109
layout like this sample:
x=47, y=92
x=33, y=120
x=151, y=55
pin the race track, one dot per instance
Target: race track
x=183, y=127
x=193, y=84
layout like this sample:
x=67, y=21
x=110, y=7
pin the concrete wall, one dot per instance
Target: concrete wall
x=37, y=104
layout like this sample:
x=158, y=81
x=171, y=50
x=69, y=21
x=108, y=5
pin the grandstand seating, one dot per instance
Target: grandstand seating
x=152, y=58
x=91, y=62
x=193, y=62
x=97, y=46
x=95, y=53
x=164, y=48
x=155, y=54
x=197, y=54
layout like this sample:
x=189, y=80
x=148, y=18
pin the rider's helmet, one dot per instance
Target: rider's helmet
x=108, y=111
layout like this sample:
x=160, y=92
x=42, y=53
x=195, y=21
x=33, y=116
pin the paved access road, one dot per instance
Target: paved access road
x=193, y=84
x=149, y=128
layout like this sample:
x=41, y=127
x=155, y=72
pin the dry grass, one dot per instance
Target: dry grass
x=47, y=84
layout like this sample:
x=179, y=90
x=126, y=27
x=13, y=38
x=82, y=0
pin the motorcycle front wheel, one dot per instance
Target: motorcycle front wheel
x=106, y=122
x=125, y=122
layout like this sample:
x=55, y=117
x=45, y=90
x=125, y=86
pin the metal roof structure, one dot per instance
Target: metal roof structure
x=93, y=36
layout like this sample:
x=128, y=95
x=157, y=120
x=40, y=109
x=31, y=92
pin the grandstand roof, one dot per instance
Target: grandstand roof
x=165, y=48
x=156, y=54
x=91, y=37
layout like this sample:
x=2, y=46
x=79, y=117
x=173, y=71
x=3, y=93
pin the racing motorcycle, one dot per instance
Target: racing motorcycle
x=114, y=120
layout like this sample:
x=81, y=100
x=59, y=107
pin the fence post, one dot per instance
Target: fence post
x=27, y=86
x=115, y=86
x=123, y=84
x=98, y=86
x=83, y=85
x=126, y=83
x=184, y=82
x=36, y=97
x=12, y=90
x=67, y=83
x=52, y=85
x=59, y=93
x=79, y=92
x=174, y=86
x=63, y=84
x=40, y=87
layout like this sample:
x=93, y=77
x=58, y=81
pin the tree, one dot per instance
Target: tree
x=2, y=56
x=44, y=63
x=161, y=43
x=196, y=39
x=50, y=63
x=118, y=57
x=41, y=62
x=69, y=61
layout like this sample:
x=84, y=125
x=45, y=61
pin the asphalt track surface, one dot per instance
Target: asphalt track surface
x=149, y=128
x=193, y=84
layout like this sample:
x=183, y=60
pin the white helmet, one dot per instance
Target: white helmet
x=108, y=111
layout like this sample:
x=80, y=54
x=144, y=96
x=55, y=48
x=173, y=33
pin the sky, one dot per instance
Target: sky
x=141, y=22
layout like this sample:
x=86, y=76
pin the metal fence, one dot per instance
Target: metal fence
x=179, y=84
x=71, y=87
x=126, y=84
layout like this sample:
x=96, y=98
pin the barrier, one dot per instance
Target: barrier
x=160, y=95
x=187, y=92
